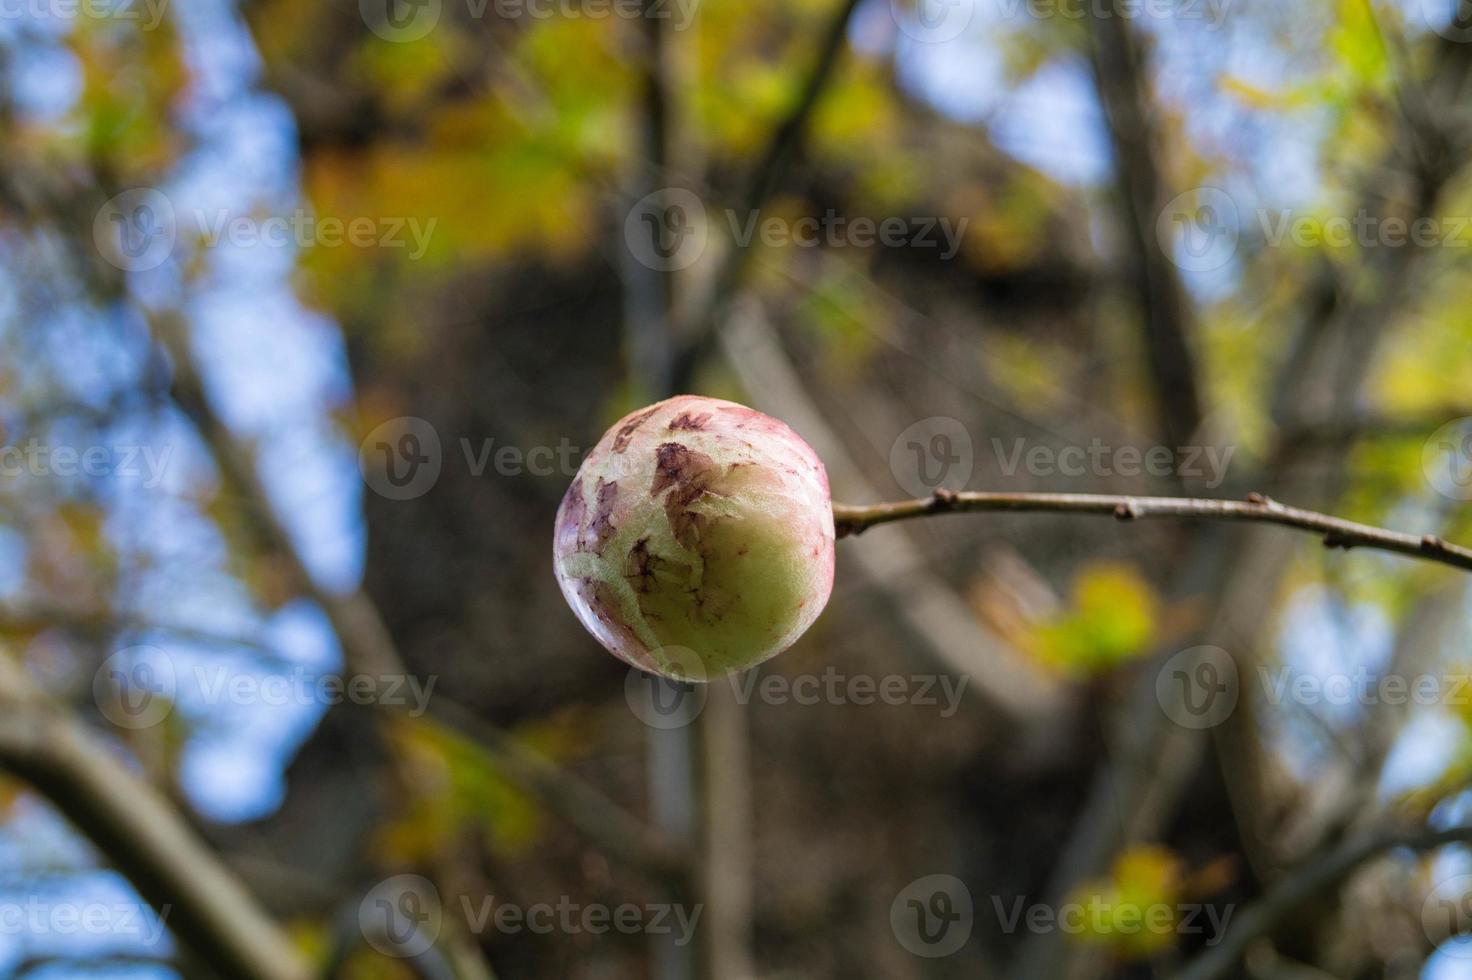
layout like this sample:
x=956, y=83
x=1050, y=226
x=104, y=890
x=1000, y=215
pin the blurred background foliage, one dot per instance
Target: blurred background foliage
x=253, y=374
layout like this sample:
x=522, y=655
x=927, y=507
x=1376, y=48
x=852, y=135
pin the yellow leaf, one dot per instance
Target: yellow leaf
x=1112, y=617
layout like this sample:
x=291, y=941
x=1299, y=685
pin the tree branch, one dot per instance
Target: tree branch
x=1328, y=870
x=1122, y=77
x=648, y=292
x=1337, y=532
x=369, y=648
x=139, y=832
x=608, y=826
x=699, y=338
x=933, y=617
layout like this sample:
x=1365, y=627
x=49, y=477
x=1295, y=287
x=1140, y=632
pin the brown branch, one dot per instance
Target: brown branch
x=140, y=833
x=369, y=648
x=648, y=292
x=1344, y=315
x=1315, y=878
x=91, y=623
x=1337, y=532
x=1364, y=426
x=1122, y=77
x=699, y=338
x=608, y=826
x=135, y=828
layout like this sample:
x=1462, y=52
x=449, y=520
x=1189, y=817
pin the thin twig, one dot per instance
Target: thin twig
x=1337, y=532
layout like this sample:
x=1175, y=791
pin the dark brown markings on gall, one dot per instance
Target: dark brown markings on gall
x=688, y=475
x=639, y=569
x=690, y=422
x=602, y=527
x=570, y=518
x=643, y=570
x=626, y=431
x=676, y=465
